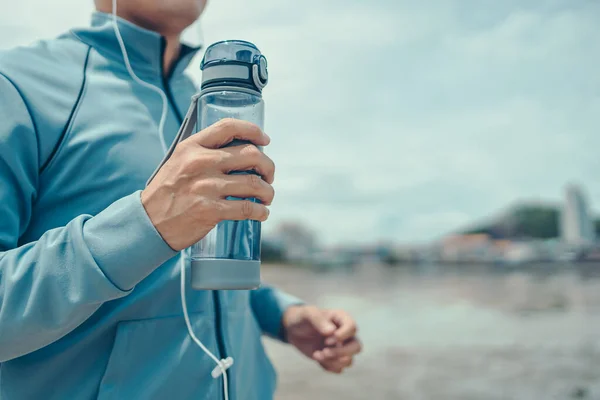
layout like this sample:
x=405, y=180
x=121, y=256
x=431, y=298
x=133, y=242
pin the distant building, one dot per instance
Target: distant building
x=576, y=225
x=466, y=248
x=520, y=252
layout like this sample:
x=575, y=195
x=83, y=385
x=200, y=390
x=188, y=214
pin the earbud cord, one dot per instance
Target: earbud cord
x=163, y=97
x=222, y=365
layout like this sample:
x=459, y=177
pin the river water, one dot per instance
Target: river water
x=453, y=333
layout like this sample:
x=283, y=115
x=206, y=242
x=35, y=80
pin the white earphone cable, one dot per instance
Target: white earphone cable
x=222, y=365
x=163, y=97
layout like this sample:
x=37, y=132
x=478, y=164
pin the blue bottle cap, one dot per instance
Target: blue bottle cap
x=234, y=63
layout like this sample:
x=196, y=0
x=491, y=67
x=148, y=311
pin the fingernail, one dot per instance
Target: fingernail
x=267, y=136
x=317, y=355
x=330, y=341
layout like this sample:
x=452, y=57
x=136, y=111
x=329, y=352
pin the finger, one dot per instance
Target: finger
x=320, y=321
x=332, y=368
x=248, y=157
x=246, y=186
x=318, y=356
x=346, y=326
x=350, y=348
x=324, y=355
x=227, y=130
x=239, y=210
x=345, y=361
x=337, y=365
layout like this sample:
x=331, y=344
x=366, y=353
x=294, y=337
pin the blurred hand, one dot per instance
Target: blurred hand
x=326, y=336
x=186, y=199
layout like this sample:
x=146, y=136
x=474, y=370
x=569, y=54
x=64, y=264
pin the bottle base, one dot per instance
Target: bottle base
x=225, y=274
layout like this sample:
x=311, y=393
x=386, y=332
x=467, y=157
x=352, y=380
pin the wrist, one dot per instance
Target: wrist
x=289, y=316
x=154, y=212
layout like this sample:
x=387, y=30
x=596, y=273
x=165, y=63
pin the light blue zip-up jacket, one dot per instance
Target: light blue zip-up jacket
x=89, y=291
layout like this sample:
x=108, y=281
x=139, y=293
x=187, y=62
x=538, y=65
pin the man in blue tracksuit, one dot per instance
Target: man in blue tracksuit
x=89, y=282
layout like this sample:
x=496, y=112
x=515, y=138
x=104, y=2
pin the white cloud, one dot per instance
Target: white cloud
x=406, y=119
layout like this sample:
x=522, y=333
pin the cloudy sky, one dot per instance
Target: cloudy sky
x=398, y=119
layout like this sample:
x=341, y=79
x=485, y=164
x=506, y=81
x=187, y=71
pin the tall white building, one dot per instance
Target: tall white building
x=576, y=224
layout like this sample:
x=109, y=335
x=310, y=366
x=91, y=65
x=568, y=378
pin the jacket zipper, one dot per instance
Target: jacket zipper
x=219, y=331
x=215, y=293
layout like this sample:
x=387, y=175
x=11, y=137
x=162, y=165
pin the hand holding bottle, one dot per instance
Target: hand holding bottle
x=187, y=198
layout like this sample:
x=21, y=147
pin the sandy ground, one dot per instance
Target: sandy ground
x=471, y=336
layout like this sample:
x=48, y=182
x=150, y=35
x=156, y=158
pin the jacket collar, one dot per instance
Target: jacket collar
x=144, y=47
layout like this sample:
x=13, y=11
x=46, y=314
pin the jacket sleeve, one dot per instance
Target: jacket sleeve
x=269, y=304
x=51, y=286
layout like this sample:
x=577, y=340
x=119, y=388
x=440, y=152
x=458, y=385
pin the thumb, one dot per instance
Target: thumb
x=321, y=322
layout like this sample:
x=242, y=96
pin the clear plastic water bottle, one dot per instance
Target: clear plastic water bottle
x=233, y=76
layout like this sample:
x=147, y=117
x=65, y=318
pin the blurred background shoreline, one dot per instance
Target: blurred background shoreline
x=453, y=332
x=502, y=308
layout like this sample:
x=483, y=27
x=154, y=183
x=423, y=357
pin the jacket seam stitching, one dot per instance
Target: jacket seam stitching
x=28, y=108
x=69, y=123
